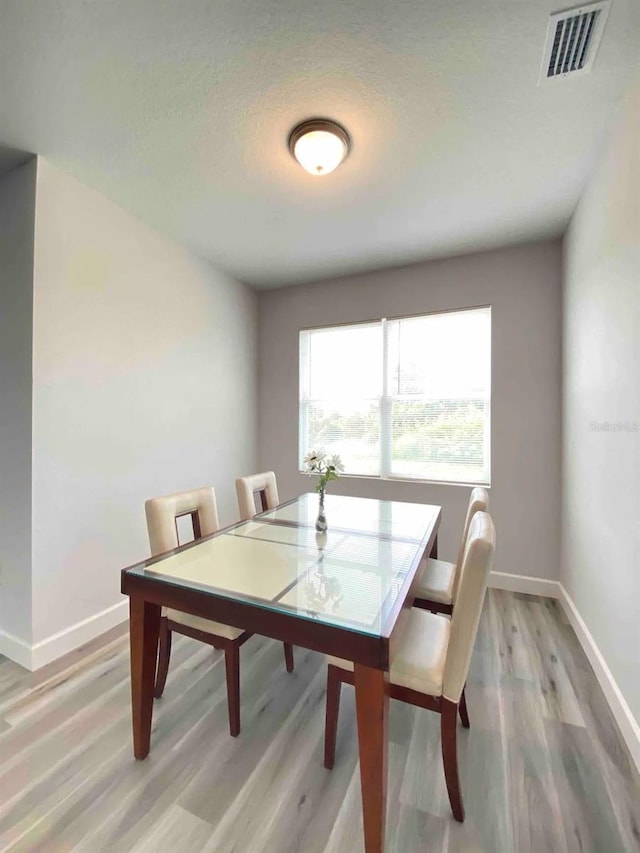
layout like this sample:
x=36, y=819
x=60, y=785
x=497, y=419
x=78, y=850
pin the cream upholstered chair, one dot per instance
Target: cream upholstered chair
x=162, y=514
x=264, y=485
x=431, y=663
x=436, y=584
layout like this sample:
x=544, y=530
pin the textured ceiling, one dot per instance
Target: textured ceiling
x=179, y=110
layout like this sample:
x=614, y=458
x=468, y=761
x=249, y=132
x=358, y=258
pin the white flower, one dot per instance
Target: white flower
x=336, y=463
x=313, y=460
x=311, y=457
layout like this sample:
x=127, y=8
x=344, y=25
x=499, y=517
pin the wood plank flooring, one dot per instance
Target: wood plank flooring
x=543, y=767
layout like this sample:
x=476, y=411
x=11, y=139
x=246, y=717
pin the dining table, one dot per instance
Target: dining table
x=346, y=592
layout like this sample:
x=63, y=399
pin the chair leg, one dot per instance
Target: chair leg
x=464, y=714
x=164, y=654
x=288, y=656
x=232, y=664
x=448, y=731
x=334, y=683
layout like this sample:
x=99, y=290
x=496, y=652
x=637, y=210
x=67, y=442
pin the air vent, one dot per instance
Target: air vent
x=572, y=40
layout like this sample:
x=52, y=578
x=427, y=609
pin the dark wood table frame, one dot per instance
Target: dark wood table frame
x=370, y=654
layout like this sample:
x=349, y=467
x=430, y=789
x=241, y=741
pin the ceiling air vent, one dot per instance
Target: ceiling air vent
x=572, y=40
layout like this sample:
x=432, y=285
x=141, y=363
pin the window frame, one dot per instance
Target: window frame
x=386, y=401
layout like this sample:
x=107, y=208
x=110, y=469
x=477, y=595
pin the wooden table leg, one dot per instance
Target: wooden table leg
x=372, y=711
x=144, y=627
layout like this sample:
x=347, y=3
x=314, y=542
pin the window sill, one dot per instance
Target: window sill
x=377, y=478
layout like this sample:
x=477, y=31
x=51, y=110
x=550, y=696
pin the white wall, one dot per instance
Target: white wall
x=17, y=208
x=524, y=287
x=143, y=384
x=601, y=479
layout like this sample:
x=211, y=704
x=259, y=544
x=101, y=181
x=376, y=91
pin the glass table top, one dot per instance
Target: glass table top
x=394, y=519
x=350, y=576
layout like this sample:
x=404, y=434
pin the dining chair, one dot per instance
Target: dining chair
x=162, y=517
x=431, y=663
x=436, y=584
x=261, y=485
x=264, y=487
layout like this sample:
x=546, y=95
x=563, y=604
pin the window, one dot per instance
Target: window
x=408, y=398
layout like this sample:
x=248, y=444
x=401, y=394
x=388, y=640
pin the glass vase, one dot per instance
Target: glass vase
x=321, y=520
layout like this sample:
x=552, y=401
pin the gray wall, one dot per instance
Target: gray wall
x=17, y=210
x=143, y=383
x=524, y=287
x=601, y=480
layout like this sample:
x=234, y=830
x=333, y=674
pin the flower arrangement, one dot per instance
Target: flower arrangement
x=326, y=467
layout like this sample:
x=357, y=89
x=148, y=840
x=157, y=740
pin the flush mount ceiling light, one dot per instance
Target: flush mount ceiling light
x=319, y=145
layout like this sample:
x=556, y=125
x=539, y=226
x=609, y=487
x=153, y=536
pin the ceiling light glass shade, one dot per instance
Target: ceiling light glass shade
x=319, y=145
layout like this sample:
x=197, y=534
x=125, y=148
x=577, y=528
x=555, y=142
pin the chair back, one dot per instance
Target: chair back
x=264, y=485
x=476, y=565
x=478, y=502
x=162, y=514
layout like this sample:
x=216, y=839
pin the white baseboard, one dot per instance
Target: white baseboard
x=525, y=583
x=77, y=635
x=15, y=649
x=628, y=725
x=39, y=654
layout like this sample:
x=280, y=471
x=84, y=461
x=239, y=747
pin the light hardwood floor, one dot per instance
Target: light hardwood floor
x=543, y=767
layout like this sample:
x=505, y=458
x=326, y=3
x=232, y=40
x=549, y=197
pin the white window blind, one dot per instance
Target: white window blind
x=407, y=398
